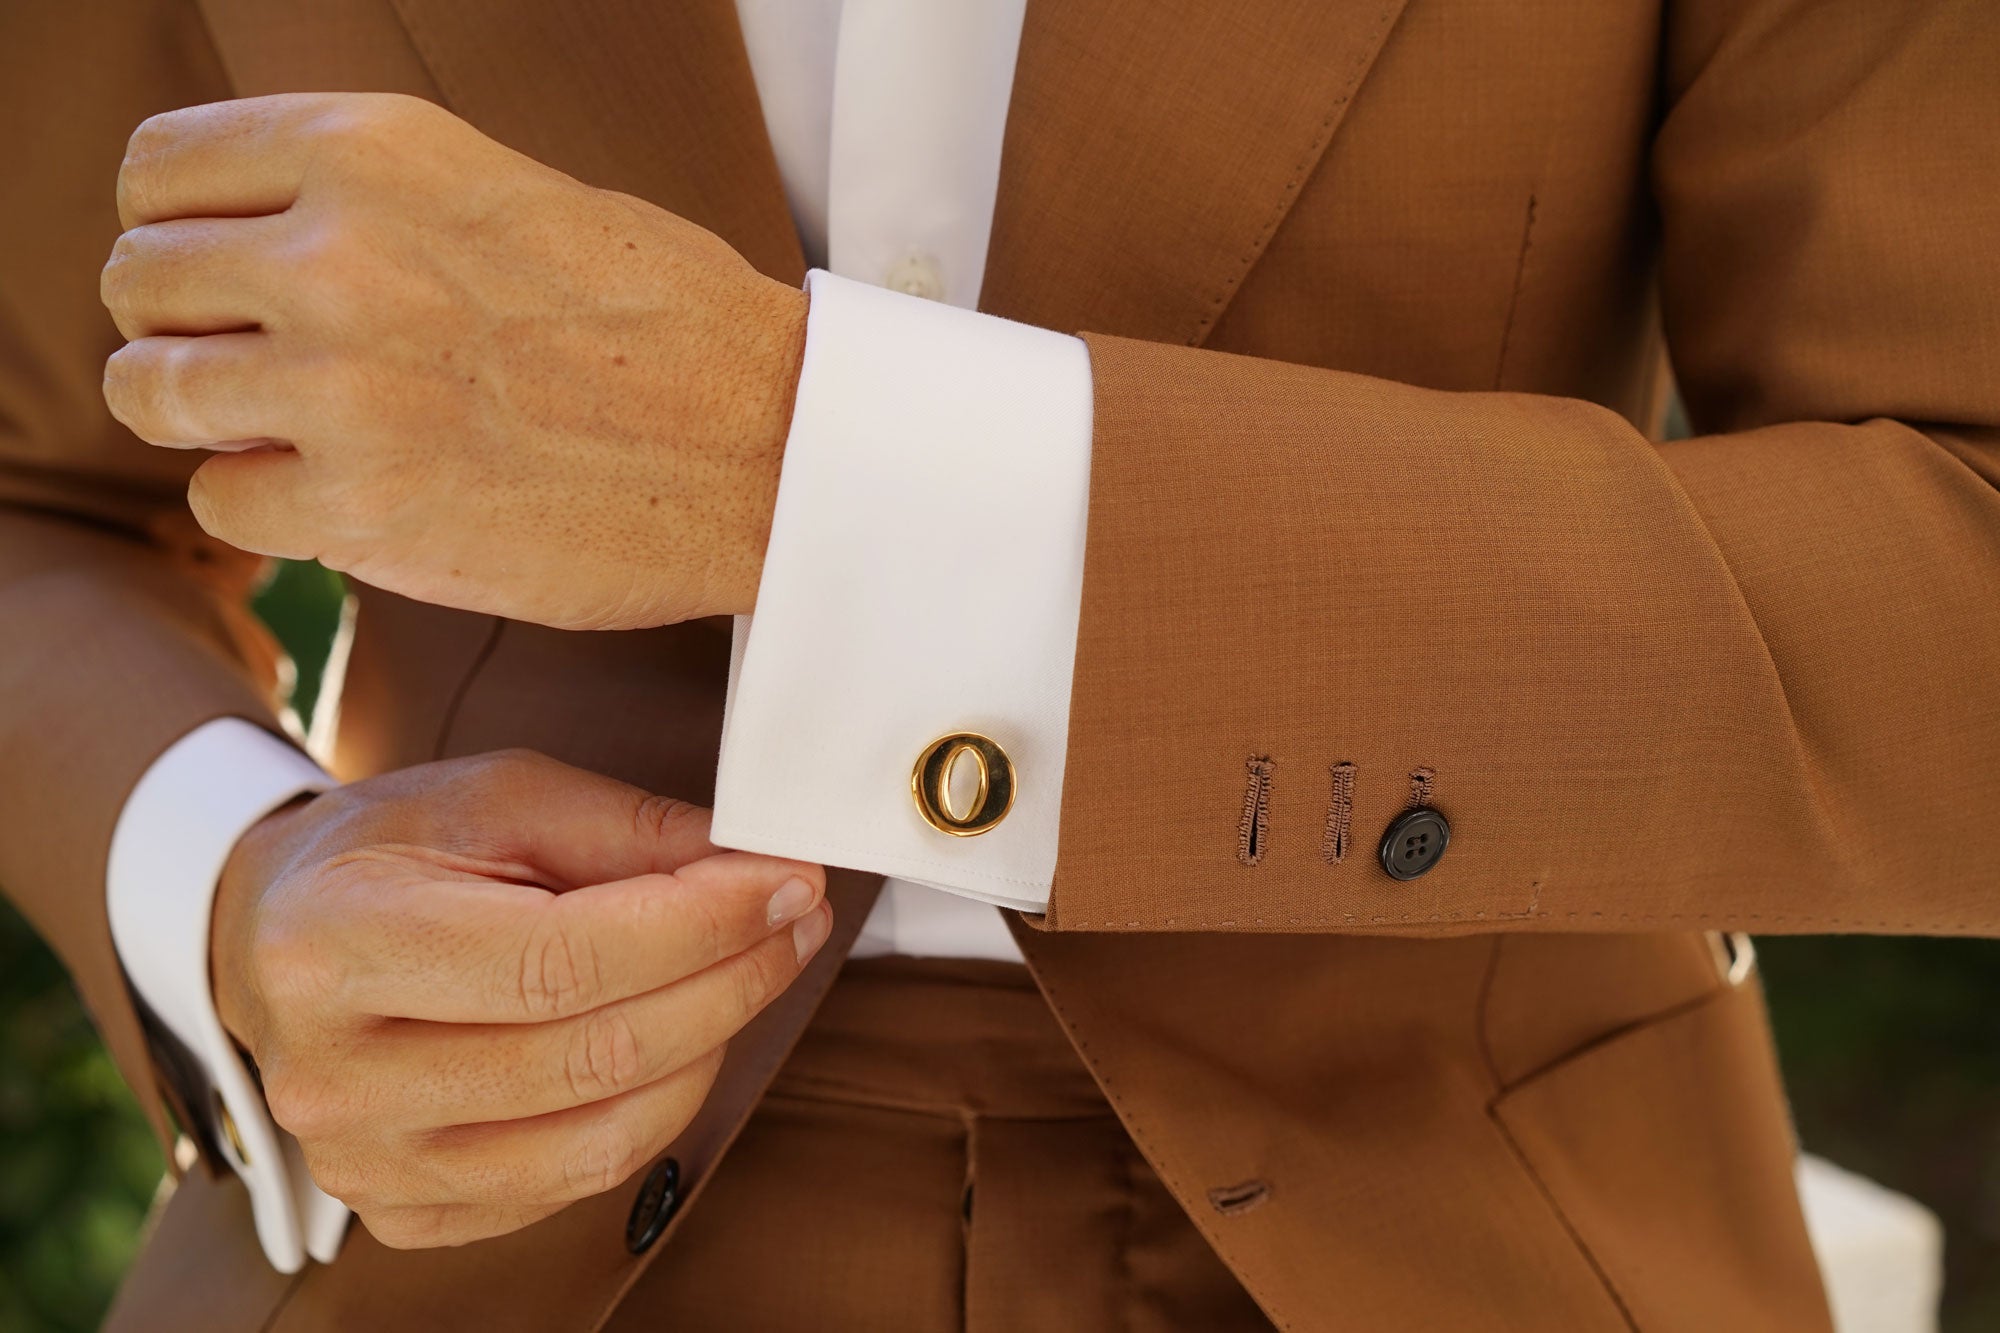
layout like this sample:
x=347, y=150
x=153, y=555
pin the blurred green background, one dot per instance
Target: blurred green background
x=1891, y=1048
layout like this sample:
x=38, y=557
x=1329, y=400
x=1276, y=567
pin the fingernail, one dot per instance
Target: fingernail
x=810, y=933
x=788, y=903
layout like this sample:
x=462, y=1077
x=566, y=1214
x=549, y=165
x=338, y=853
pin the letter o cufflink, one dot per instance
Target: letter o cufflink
x=930, y=784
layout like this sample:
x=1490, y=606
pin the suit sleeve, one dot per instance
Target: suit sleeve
x=122, y=627
x=1742, y=681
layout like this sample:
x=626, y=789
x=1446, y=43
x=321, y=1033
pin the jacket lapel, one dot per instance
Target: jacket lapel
x=1153, y=147
x=654, y=100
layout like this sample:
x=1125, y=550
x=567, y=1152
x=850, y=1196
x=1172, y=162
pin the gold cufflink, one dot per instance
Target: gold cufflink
x=229, y=1130
x=930, y=784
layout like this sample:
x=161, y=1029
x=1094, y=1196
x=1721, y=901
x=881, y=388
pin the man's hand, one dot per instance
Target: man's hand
x=479, y=990
x=445, y=368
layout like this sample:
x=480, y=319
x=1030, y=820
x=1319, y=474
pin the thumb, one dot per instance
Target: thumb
x=579, y=827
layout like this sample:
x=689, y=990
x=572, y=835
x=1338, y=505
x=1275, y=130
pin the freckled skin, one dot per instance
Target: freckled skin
x=503, y=390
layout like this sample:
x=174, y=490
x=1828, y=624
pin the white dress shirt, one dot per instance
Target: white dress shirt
x=932, y=451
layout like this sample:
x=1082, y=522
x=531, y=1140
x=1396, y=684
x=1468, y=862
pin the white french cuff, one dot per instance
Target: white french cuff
x=168, y=850
x=924, y=578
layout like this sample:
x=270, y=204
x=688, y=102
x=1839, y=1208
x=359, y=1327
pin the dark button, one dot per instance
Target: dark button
x=1414, y=843
x=659, y=1199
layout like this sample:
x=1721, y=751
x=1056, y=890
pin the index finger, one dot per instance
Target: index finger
x=482, y=952
x=221, y=159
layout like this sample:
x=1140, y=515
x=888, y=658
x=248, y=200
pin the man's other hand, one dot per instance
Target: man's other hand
x=481, y=989
x=436, y=364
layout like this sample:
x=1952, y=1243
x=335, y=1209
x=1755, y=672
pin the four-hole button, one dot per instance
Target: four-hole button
x=1414, y=842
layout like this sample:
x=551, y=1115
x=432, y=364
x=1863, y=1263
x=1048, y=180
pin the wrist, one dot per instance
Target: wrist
x=776, y=357
x=252, y=866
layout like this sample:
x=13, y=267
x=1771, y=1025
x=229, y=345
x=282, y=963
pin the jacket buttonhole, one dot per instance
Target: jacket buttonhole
x=1253, y=830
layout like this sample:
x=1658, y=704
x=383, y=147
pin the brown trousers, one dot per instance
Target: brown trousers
x=934, y=1156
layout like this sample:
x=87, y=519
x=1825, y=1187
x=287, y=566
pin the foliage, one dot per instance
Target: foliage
x=301, y=607
x=77, y=1163
x=78, y=1167
x=1891, y=1050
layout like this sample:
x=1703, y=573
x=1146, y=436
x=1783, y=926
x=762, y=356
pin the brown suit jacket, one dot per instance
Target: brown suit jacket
x=1374, y=293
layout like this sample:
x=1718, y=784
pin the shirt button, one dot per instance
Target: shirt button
x=658, y=1200
x=916, y=275
x=1414, y=842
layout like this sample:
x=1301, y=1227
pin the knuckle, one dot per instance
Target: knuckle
x=148, y=386
x=144, y=135
x=371, y=115
x=120, y=386
x=520, y=759
x=303, y=1103
x=156, y=131
x=351, y=123
x=115, y=284
x=764, y=972
x=293, y=971
x=130, y=201
x=356, y=133
x=206, y=507
x=407, y=1228
x=343, y=1175
x=602, y=1161
x=777, y=966
x=329, y=260
x=503, y=768
x=663, y=818
x=178, y=380
x=560, y=972
x=702, y=922
x=142, y=150
x=603, y=1059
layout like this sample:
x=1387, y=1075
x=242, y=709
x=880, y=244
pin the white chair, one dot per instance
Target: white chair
x=1881, y=1253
